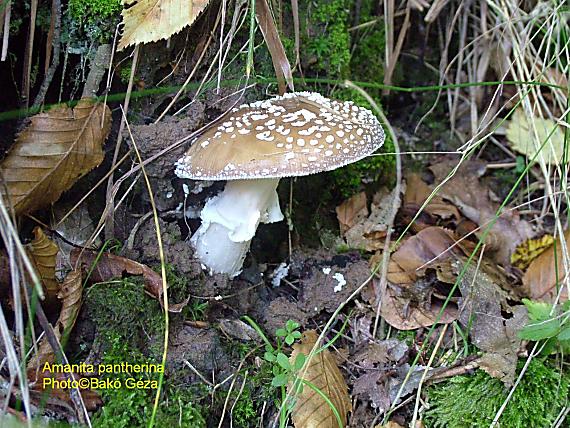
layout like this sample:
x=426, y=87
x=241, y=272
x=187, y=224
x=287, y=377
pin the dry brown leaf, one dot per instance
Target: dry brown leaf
x=483, y=304
x=43, y=252
x=351, y=211
x=105, y=267
x=147, y=21
x=274, y=45
x=53, y=152
x=70, y=295
x=368, y=233
x=310, y=410
x=539, y=281
x=476, y=202
x=410, y=302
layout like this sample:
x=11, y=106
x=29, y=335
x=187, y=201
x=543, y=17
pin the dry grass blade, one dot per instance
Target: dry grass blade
x=152, y=20
x=43, y=252
x=55, y=150
x=276, y=49
x=311, y=410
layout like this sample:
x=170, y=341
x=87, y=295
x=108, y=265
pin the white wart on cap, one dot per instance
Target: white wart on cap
x=295, y=134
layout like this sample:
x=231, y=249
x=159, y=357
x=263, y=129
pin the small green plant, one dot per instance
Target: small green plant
x=283, y=370
x=548, y=323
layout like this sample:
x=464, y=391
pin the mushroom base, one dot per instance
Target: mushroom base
x=229, y=222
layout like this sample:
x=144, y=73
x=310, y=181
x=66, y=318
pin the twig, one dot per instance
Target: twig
x=40, y=97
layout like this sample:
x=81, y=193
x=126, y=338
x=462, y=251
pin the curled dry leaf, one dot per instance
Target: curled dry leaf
x=52, y=153
x=411, y=300
x=70, y=295
x=311, y=410
x=43, y=252
x=363, y=231
x=476, y=202
x=106, y=266
x=147, y=21
x=545, y=272
x=417, y=192
x=351, y=211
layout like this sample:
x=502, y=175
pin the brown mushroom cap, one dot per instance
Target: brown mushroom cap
x=295, y=134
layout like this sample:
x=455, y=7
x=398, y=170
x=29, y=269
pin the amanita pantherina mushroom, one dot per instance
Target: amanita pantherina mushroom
x=257, y=144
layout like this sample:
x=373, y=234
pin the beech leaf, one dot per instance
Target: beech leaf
x=147, y=21
x=52, y=153
x=43, y=253
x=311, y=410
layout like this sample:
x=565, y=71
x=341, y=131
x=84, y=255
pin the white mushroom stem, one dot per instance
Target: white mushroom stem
x=229, y=222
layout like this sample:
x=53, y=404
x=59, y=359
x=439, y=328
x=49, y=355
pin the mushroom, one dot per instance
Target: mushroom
x=253, y=147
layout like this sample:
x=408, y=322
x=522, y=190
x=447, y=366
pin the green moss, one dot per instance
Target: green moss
x=126, y=321
x=472, y=401
x=329, y=40
x=90, y=11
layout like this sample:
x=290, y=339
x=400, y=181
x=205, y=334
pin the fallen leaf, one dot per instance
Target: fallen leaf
x=147, y=21
x=523, y=138
x=70, y=295
x=529, y=250
x=351, y=211
x=476, y=202
x=43, y=252
x=52, y=153
x=417, y=192
x=274, y=45
x=310, y=409
x=482, y=304
x=540, y=279
x=105, y=267
x=368, y=233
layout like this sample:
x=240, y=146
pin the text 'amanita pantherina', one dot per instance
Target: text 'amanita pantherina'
x=254, y=146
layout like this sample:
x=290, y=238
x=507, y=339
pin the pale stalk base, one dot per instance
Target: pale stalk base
x=229, y=222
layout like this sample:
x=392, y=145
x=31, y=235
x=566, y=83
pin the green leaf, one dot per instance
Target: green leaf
x=537, y=311
x=289, y=339
x=281, y=332
x=300, y=361
x=269, y=357
x=283, y=361
x=564, y=333
x=279, y=380
x=541, y=330
x=296, y=334
x=291, y=325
